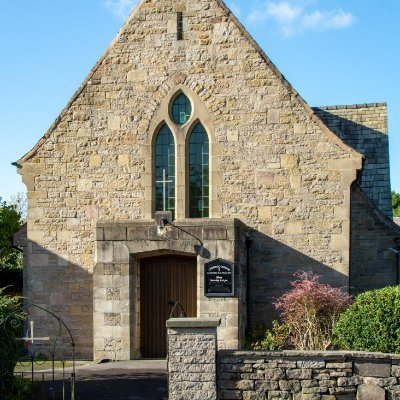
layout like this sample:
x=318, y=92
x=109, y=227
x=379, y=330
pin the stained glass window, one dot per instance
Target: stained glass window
x=181, y=109
x=198, y=173
x=165, y=171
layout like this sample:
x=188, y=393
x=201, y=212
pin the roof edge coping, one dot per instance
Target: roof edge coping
x=81, y=87
x=350, y=106
x=325, y=129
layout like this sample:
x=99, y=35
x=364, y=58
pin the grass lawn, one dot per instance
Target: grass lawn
x=42, y=365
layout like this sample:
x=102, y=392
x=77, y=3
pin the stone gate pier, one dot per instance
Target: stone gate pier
x=198, y=370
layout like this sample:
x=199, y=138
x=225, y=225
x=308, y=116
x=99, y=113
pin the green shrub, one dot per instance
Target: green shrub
x=396, y=204
x=262, y=338
x=22, y=389
x=11, y=319
x=276, y=338
x=255, y=336
x=10, y=222
x=371, y=323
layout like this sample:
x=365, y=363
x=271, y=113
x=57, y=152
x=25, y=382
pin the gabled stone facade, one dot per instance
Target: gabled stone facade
x=275, y=168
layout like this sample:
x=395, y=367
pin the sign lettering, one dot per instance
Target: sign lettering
x=219, y=278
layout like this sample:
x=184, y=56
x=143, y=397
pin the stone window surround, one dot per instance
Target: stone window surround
x=181, y=136
x=172, y=105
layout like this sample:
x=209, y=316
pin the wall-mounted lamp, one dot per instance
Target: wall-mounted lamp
x=162, y=219
x=161, y=227
x=165, y=218
x=163, y=222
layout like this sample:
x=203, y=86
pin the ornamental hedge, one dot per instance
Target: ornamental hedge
x=371, y=323
x=307, y=314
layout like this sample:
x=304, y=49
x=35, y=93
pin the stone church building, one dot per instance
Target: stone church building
x=186, y=175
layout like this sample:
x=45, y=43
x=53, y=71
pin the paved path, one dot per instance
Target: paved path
x=124, y=380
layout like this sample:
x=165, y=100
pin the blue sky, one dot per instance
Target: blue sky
x=331, y=51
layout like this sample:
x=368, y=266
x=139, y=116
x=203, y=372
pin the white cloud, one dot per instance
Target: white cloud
x=284, y=13
x=120, y=9
x=297, y=16
x=318, y=20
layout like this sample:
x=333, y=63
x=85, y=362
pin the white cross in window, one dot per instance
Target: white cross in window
x=32, y=338
x=164, y=183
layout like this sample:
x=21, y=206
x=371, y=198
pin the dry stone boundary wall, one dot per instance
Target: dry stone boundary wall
x=308, y=375
x=198, y=371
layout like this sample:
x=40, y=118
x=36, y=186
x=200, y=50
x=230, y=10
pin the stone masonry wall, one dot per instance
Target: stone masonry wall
x=372, y=263
x=197, y=370
x=116, y=289
x=192, y=346
x=274, y=165
x=364, y=127
x=292, y=375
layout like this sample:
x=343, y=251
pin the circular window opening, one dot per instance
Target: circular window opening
x=181, y=109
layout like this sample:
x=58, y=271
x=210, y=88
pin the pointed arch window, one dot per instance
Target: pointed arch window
x=165, y=170
x=199, y=173
x=181, y=109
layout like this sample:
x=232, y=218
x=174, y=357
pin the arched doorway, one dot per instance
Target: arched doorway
x=164, y=281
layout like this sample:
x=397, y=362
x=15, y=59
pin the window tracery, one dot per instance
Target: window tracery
x=181, y=144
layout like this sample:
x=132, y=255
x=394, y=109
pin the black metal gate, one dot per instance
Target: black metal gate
x=36, y=349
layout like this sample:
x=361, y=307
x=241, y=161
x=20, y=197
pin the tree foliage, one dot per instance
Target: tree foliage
x=396, y=204
x=10, y=222
x=20, y=201
x=371, y=323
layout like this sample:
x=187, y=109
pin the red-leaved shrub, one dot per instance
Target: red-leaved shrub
x=310, y=309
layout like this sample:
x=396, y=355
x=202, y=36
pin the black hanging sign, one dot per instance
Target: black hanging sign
x=219, y=278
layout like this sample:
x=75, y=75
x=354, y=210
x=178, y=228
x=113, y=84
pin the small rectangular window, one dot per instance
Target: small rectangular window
x=179, y=26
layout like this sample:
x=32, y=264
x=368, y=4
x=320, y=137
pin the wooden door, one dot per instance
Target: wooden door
x=164, y=280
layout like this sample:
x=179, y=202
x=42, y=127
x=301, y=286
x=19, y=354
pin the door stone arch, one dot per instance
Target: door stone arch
x=120, y=249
